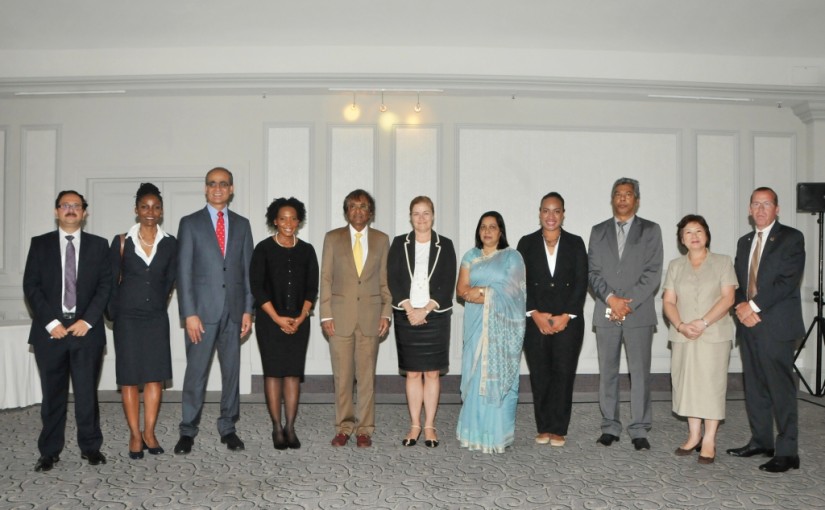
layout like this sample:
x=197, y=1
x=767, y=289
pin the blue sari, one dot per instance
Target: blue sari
x=493, y=337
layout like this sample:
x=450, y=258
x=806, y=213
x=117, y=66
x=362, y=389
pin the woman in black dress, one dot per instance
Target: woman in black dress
x=143, y=267
x=284, y=280
x=421, y=272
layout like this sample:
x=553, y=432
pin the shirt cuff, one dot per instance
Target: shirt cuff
x=53, y=324
x=754, y=307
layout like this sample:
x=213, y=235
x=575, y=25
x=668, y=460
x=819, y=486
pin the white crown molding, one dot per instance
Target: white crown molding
x=452, y=85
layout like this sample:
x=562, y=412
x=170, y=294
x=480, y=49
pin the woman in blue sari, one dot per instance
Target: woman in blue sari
x=492, y=283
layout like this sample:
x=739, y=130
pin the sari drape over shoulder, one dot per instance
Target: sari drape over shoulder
x=493, y=337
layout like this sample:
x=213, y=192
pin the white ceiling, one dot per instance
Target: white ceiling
x=570, y=45
x=792, y=28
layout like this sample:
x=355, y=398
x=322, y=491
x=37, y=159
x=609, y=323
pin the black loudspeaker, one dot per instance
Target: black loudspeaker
x=810, y=197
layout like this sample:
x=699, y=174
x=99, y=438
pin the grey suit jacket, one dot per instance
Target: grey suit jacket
x=206, y=279
x=636, y=276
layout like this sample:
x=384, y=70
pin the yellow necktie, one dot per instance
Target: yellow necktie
x=358, y=253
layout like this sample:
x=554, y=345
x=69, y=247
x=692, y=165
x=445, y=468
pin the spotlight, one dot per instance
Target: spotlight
x=383, y=107
x=417, y=102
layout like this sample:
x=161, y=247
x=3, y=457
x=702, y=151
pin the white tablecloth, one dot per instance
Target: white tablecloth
x=20, y=381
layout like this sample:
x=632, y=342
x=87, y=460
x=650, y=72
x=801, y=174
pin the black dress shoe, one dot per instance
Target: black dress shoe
x=184, y=445
x=46, y=463
x=781, y=464
x=94, y=457
x=607, y=439
x=641, y=443
x=749, y=450
x=136, y=455
x=232, y=441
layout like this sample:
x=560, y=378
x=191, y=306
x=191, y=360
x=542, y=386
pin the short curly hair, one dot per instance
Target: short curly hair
x=276, y=205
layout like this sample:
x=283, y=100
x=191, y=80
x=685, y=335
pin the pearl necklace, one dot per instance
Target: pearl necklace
x=294, y=241
x=144, y=243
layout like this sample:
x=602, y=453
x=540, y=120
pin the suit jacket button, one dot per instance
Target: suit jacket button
x=552, y=284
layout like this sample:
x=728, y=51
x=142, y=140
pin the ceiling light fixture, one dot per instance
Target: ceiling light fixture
x=68, y=92
x=417, y=102
x=383, y=107
x=354, y=107
x=701, y=98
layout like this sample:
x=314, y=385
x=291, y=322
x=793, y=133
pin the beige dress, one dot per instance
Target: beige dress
x=699, y=368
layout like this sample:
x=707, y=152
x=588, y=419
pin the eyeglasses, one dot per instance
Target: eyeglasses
x=70, y=207
x=762, y=205
x=221, y=185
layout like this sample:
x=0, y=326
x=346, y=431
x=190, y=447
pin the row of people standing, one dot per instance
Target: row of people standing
x=548, y=279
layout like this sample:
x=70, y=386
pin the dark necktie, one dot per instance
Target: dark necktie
x=220, y=233
x=70, y=276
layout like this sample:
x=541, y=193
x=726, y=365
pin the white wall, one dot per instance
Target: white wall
x=470, y=154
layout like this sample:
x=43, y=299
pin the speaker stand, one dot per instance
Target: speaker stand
x=819, y=323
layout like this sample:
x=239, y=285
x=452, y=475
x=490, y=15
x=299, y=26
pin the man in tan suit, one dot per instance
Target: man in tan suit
x=355, y=313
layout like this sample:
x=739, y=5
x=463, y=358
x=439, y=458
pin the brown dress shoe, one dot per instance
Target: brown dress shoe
x=363, y=441
x=340, y=439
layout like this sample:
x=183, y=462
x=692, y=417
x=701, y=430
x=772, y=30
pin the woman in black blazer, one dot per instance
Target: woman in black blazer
x=421, y=272
x=556, y=263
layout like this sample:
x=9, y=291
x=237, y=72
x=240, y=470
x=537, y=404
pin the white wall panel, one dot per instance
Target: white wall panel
x=774, y=165
x=351, y=166
x=717, y=176
x=509, y=170
x=2, y=202
x=39, y=164
x=417, y=152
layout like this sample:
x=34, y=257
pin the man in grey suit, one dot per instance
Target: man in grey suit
x=625, y=260
x=215, y=300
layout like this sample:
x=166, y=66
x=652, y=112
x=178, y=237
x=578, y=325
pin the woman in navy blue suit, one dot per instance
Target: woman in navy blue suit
x=144, y=262
x=556, y=263
x=421, y=272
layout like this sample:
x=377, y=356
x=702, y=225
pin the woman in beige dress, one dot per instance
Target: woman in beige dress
x=699, y=291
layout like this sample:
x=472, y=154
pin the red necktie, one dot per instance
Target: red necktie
x=220, y=233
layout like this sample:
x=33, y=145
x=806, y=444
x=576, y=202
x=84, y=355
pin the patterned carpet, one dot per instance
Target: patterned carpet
x=581, y=475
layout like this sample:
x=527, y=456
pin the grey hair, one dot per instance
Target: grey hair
x=626, y=180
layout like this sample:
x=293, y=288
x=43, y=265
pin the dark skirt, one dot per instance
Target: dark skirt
x=282, y=355
x=424, y=348
x=142, y=350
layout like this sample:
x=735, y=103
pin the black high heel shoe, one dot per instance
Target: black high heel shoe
x=292, y=441
x=278, y=439
x=157, y=450
x=431, y=443
x=410, y=441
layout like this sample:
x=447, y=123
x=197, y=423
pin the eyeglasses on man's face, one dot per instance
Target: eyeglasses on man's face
x=70, y=207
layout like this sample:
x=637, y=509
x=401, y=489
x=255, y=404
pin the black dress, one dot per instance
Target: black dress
x=139, y=309
x=286, y=277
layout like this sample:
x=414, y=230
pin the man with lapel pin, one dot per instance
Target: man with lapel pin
x=769, y=266
x=625, y=270
x=67, y=282
x=356, y=307
x=215, y=300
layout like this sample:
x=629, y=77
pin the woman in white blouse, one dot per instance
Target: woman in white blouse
x=421, y=272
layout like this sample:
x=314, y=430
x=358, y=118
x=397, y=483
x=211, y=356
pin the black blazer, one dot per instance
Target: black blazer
x=780, y=274
x=563, y=292
x=43, y=285
x=441, y=270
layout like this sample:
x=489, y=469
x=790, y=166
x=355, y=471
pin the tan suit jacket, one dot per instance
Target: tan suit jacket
x=346, y=298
